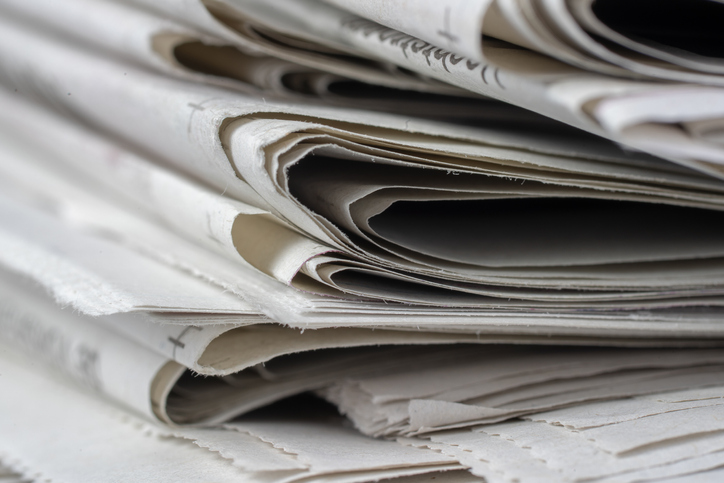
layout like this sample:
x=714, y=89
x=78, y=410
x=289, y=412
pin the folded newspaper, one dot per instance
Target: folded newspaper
x=568, y=409
x=457, y=222
x=680, y=121
x=382, y=208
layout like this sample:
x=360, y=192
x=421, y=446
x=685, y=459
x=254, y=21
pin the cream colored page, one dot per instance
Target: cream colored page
x=134, y=230
x=476, y=373
x=630, y=435
x=505, y=384
x=339, y=449
x=193, y=210
x=87, y=439
x=340, y=189
x=242, y=450
x=228, y=348
x=96, y=64
x=184, y=344
x=489, y=454
x=68, y=148
x=518, y=76
x=233, y=228
x=155, y=40
x=121, y=29
x=144, y=238
x=551, y=27
x=243, y=29
x=541, y=452
x=186, y=130
x=167, y=333
x=517, y=79
x=97, y=70
x=340, y=192
x=572, y=455
x=96, y=357
x=182, y=130
x=594, y=415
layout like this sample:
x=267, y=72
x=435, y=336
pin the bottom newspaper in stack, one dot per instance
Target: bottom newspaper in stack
x=450, y=413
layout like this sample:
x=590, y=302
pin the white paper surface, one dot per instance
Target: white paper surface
x=86, y=438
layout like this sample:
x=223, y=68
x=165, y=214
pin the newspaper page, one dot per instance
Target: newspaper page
x=650, y=438
x=655, y=276
x=507, y=382
x=173, y=48
x=569, y=31
x=101, y=217
x=638, y=114
x=93, y=438
x=473, y=268
x=147, y=366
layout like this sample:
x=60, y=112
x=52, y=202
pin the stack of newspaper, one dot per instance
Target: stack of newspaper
x=361, y=240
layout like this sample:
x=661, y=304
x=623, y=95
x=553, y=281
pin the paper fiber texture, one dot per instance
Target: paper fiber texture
x=505, y=382
x=596, y=36
x=336, y=449
x=98, y=276
x=550, y=450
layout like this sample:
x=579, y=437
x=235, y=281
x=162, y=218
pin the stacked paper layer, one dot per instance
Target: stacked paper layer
x=354, y=240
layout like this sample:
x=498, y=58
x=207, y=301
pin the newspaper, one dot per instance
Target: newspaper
x=647, y=438
x=86, y=437
x=197, y=222
x=595, y=36
x=670, y=432
x=509, y=382
x=142, y=363
x=115, y=225
x=643, y=115
x=32, y=177
x=380, y=256
x=170, y=47
x=384, y=390
x=549, y=446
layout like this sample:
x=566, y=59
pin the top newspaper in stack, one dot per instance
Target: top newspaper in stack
x=400, y=210
x=442, y=40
